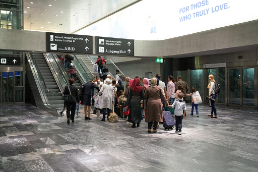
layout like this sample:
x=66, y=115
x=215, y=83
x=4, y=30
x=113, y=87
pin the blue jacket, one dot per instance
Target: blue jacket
x=88, y=88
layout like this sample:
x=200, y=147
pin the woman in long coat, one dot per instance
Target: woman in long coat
x=154, y=107
x=107, y=92
x=135, y=97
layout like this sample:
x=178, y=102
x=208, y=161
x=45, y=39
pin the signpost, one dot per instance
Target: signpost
x=114, y=46
x=69, y=43
x=10, y=61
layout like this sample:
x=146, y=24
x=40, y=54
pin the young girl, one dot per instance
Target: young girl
x=193, y=105
x=121, y=102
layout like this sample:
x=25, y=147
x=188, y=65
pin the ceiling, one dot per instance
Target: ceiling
x=67, y=16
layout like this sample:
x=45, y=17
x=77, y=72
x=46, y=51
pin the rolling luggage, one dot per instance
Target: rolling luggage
x=168, y=120
x=172, y=110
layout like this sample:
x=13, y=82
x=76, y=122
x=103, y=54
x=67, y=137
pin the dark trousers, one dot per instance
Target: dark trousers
x=213, y=107
x=150, y=125
x=100, y=68
x=70, y=112
x=196, y=108
x=106, y=110
x=179, y=125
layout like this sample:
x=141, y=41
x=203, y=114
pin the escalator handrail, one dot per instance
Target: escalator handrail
x=115, y=66
x=79, y=75
x=61, y=67
x=90, y=74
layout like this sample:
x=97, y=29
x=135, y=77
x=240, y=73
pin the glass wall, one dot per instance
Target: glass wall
x=213, y=72
x=11, y=15
x=248, y=86
x=221, y=81
x=183, y=74
x=197, y=80
x=234, y=86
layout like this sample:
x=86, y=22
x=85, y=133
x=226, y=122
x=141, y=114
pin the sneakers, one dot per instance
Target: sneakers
x=197, y=115
x=179, y=133
x=77, y=116
x=68, y=120
x=214, y=116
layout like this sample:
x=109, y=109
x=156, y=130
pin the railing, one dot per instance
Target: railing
x=82, y=71
x=56, y=72
x=39, y=80
x=61, y=66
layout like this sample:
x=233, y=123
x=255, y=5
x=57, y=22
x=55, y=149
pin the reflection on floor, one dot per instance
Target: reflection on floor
x=33, y=140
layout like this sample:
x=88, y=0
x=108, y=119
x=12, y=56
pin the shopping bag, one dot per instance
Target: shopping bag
x=197, y=99
x=95, y=68
x=97, y=102
x=126, y=111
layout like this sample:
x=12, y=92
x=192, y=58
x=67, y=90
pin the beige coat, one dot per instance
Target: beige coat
x=154, y=107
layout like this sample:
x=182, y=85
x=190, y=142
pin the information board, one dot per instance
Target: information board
x=10, y=61
x=69, y=43
x=114, y=46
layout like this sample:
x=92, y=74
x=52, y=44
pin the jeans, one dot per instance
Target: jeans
x=179, y=125
x=172, y=100
x=213, y=107
x=196, y=108
x=67, y=64
x=100, y=68
x=106, y=110
x=70, y=110
x=77, y=109
x=142, y=112
x=73, y=76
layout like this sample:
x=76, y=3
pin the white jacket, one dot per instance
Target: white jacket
x=107, y=92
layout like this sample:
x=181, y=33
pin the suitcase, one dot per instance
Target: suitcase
x=172, y=110
x=168, y=120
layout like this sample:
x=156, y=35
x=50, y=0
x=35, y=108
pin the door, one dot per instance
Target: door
x=235, y=86
x=7, y=87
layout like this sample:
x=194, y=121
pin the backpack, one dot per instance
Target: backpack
x=217, y=88
x=100, y=61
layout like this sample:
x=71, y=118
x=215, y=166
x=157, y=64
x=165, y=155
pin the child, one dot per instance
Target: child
x=180, y=110
x=77, y=109
x=121, y=102
x=193, y=91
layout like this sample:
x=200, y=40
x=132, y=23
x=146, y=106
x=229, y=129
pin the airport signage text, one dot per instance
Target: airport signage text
x=114, y=46
x=10, y=61
x=69, y=43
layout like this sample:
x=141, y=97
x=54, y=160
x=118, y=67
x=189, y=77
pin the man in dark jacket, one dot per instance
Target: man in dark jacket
x=87, y=92
x=71, y=104
x=101, y=63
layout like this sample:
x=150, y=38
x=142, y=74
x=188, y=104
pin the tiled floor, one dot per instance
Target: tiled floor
x=33, y=140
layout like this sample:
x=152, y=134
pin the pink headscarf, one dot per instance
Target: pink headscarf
x=146, y=82
x=131, y=82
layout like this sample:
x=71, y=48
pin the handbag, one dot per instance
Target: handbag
x=208, y=101
x=126, y=111
x=70, y=96
x=197, y=99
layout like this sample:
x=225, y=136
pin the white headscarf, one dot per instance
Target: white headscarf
x=108, y=81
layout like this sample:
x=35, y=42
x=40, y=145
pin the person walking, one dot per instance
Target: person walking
x=72, y=92
x=135, y=97
x=107, y=93
x=154, y=107
x=212, y=96
x=72, y=72
x=193, y=91
x=68, y=62
x=101, y=63
x=117, y=75
x=170, y=90
x=87, y=91
x=183, y=84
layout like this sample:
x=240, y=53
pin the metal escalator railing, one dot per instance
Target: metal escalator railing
x=39, y=80
x=112, y=68
x=61, y=66
x=56, y=72
x=82, y=69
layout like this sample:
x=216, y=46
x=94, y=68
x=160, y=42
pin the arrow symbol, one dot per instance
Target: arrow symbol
x=14, y=61
x=86, y=48
x=129, y=43
x=129, y=51
x=86, y=40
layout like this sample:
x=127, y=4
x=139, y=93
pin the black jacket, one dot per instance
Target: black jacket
x=88, y=88
x=74, y=92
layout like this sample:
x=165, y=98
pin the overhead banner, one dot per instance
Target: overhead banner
x=114, y=46
x=10, y=61
x=69, y=43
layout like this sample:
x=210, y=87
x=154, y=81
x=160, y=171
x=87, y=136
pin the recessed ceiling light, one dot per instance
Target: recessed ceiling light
x=57, y=15
x=25, y=11
x=50, y=5
x=48, y=22
x=28, y=7
x=41, y=14
x=42, y=27
x=62, y=12
x=31, y=2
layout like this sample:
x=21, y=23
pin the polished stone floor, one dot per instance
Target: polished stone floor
x=33, y=140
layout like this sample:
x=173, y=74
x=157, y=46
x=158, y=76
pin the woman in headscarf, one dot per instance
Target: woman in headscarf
x=154, y=108
x=135, y=97
x=107, y=94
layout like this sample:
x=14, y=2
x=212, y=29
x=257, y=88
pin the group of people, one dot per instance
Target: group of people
x=143, y=99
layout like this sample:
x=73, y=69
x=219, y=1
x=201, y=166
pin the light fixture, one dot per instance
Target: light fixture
x=48, y=22
x=57, y=15
x=25, y=11
x=62, y=12
x=50, y=5
x=42, y=27
x=31, y=2
x=28, y=7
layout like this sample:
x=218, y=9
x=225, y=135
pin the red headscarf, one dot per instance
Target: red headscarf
x=131, y=82
x=136, y=87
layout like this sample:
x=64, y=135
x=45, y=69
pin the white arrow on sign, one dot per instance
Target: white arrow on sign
x=86, y=48
x=129, y=43
x=129, y=51
x=14, y=61
x=86, y=40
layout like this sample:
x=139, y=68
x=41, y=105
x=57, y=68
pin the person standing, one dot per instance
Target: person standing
x=87, y=92
x=183, y=84
x=119, y=87
x=135, y=97
x=72, y=72
x=67, y=62
x=101, y=63
x=154, y=110
x=171, y=90
x=117, y=75
x=212, y=96
x=107, y=94
x=193, y=91
x=127, y=80
x=71, y=90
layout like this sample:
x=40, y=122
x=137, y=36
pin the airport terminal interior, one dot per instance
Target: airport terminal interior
x=128, y=86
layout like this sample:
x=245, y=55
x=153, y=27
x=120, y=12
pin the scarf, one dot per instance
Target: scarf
x=146, y=82
x=131, y=82
x=136, y=87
